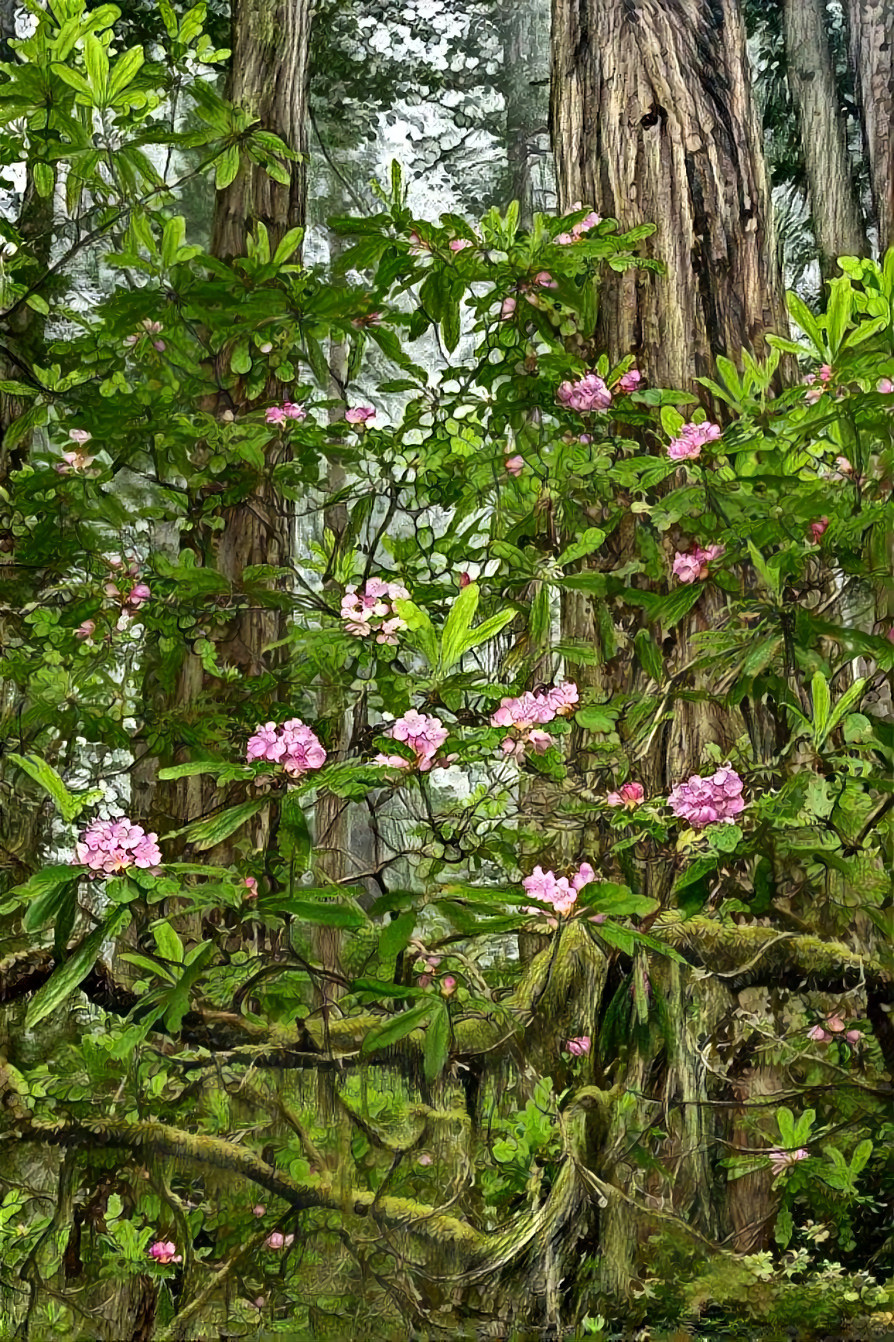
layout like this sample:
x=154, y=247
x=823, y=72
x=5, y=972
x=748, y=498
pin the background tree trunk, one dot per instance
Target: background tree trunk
x=837, y=224
x=871, y=24
x=269, y=79
x=525, y=68
x=652, y=121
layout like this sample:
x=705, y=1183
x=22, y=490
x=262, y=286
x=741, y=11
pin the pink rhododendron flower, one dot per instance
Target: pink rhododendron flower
x=854, y=1038
x=817, y=529
x=459, y=244
x=74, y=463
x=631, y=380
x=79, y=436
x=885, y=385
x=545, y=280
x=688, y=444
x=577, y=230
x=360, y=414
x=424, y=980
x=423, y=735
x=448, y=985
x=86, y=629
x=558, y=891
x=276, y=1240
x=579, y=1046
x=165, y=1251
x=515, y=465
x=259, y=1210
x=844, y=466
x=835, y=1024
x=139, y=593
x=783, y=1160
x=251, y=892
x=464, y=580
x=825, y=373
x=294, y=746
x=691, y=565
x=107, y=847
x=150, y=328
x=629, y=795
x=424, y=1159
x=275, y=415
x=372, y=611
x=818, y=1034
x=814, y=391
x=705, y=801
x=588, y=393
x=507, y=308
x=293, y=411
x=418, y=247
x=530, y=711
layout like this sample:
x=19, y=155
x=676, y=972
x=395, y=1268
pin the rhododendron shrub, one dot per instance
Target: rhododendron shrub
x=446, y=1006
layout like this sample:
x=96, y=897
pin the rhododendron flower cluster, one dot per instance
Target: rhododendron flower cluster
x=165, y=1251
x=359, y=414
x=688, y=444
x=424, y=735
x=578, y=230
x=578, y=1047
x=278, y=414
x=276, y=1240
x=704, y=801
x=76, y=461
x=784, y=1160
x=834, y=1025
x=294, y=746
x=588, y=393
x=629, y=795
x=691, y=565
x=126, y=590
x=150, y=328
x=530, y=711
x=630, y=380
x=108, y=847
x=372, y=611
x=559, y=891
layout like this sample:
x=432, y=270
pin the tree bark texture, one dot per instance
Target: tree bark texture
x=269, y=79
x=525, y=59
x=838, y=226
x=652, y=120
x=871, y=24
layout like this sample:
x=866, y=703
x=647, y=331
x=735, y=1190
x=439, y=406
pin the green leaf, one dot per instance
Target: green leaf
x=844, y=705
x=437, y=1043
x=769, y=576
x=227, y=167
x=48, y=890
x=396, y=1028
x=488, y=629
x=456, y=628
x=204, y=834
x=288, y=246
x=124, y=71
x=97, y=62
x=394, y=936
x=807, y=322
x=44, y=178
x=822, y=702
x=649, y=654
x=63, y=981
x=418, y=622
x=586, y=543
x=168, y=943
x=46, y=776
x=319, y=914
x=618, y=901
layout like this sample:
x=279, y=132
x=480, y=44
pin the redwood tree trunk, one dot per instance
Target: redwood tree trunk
x=269, y=75
x=653, y=121
x=837, y=224
x=871, y=25
x=525, y=66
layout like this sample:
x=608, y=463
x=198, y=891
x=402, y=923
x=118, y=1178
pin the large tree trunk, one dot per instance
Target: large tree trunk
x=525, y=68
x=268, y=78
x=653, y=121
x=837, y=224
x=871, y=25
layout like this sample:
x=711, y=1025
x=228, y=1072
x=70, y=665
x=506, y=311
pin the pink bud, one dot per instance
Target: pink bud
x=818, y=1034
x=259, y=1210
x=825, y=373
x=251, y=892
x=448, y=984
x=425, y=1159
x=853, y=1037
x=507, y=308
x=515, y=465
x=885, y=385
x=464, y=580
x=835, y=1024
x=817, y=529
x=86, y=629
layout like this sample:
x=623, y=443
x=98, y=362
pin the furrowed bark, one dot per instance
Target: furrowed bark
x=871, y=25
x=834, y=207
